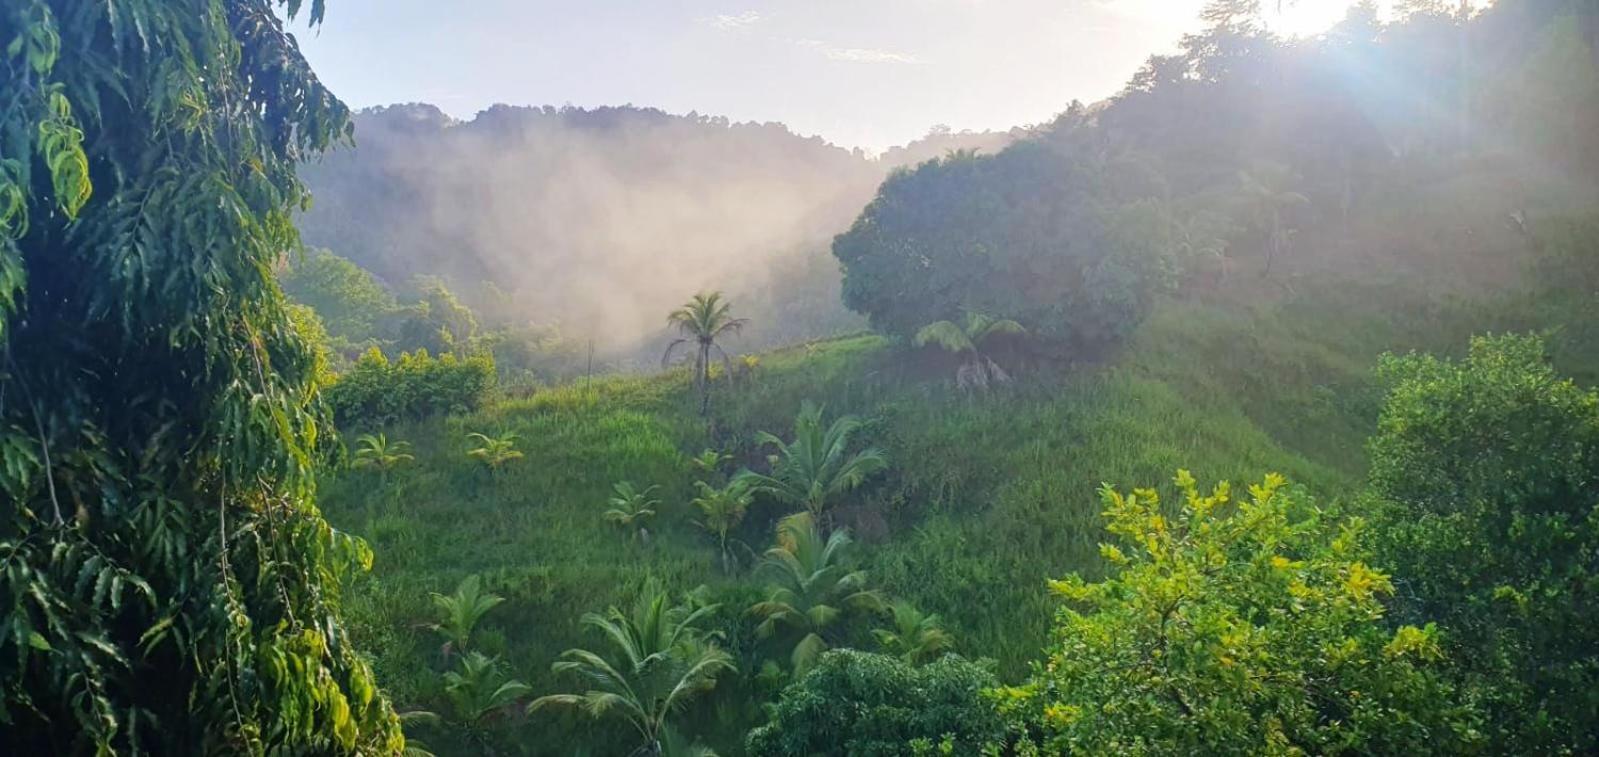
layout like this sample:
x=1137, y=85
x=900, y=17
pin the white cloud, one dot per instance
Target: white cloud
x=857, y=54
x=731, y=21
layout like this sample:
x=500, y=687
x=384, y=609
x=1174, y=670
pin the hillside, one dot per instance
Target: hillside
x=986, y=497
x=593, y=220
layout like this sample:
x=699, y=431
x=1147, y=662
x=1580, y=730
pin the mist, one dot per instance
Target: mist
x=602, y=221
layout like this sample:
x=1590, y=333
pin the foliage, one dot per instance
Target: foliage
x=812, y=592
x=632, y=508
x=376, y=451
x=704, y=319
x=966, y=341
x=1487, y=476
x=1239, y=626
x=350, y=300
x=710, y=462
x=377, y=392
x=662, y=660
x=1017, y=235
x=857, y=703
x=169, y=585
x=460, y=612
x=480, y=688
x=494, y=452
x=721, y=510
x=817, y=467
x=914, y=636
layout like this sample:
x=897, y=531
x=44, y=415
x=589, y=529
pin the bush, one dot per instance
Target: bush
x=1486, y=473
x=1248, y=627
x=1023, y=235
x=417, y=385
x=857, y=703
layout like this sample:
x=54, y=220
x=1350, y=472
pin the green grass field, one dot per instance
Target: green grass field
x=986, y=498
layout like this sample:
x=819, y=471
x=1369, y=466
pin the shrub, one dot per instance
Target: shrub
x=417, y=385
x=1486, y=473
x=864, y=704
x=1235, y=628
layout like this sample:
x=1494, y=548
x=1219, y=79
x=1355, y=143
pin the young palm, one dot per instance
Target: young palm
x=494, y=452
x=1268, y=188
x=811, y=591
x=710, y=462
x=915, y=637
x=816, y=468
x=722, y=510
x=460, y=612
x=375, y=451
x=703, y=320
x=967, y=341
x=632, y=509
x=660, y=660
x=480, y=687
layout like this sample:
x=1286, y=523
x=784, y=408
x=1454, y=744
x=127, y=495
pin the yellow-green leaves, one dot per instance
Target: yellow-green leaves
x=61, y=148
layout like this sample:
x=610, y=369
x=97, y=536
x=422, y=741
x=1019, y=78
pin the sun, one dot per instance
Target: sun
x=1304, y=18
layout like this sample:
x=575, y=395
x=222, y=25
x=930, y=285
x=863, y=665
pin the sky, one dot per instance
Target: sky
x=859, y=73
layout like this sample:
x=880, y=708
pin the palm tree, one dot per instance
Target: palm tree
x=811, y=590
x=703, y=320
x=723, y=510
x=460, y=612
x=816, y=467
x=377, y=452
x=494, y=451
x=631, y=509
x=661, y=660
x=915, y=637
x=967, y=340
x=1268, y=187
x=480, y=687
x=710, y=461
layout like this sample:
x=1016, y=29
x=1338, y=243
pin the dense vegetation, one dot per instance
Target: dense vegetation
x=169, y=585
x=1252, y=264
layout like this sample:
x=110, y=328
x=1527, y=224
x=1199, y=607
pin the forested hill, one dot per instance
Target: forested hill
x=597, y=220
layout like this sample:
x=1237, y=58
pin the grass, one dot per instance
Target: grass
x=987, y=497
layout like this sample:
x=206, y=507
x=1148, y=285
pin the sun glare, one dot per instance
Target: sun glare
x=1304, y=18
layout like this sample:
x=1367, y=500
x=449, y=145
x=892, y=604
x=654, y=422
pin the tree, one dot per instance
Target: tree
x=494, y=452
x=631, y=509
x=1248, y=626
x=811, y=591
x=661, y=661
x=817, y=467
x=348, y=298
x=460, y=612
x=169, y=585
x=722, y=509
x=704, y=319
x=914, y=636
x=967, y=341
x=1268, y=189
x=1485, y=473
x=869, y=705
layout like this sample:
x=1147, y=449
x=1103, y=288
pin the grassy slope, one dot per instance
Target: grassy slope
x=987, y=498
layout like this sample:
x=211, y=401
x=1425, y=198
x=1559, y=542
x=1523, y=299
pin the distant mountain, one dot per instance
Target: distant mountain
x=603, y=220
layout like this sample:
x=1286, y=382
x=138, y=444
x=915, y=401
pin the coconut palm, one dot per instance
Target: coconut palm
x=703, y=320
x=710, y=462
x=968, y=340
x=460, y=612
x=480, y=687
x=660, y=660
x=722, y=510
x=493, y=451
x=915, y=637
x=1267, y=187
x=811, y=591
x=816, y=468
x=631, y=509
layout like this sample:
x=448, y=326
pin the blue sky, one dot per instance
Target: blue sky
x=867, y=73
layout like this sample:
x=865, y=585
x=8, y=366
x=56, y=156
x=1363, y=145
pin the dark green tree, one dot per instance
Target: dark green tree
x=168, y=584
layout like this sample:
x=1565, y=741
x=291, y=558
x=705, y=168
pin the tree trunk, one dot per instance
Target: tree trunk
x=703, y=369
